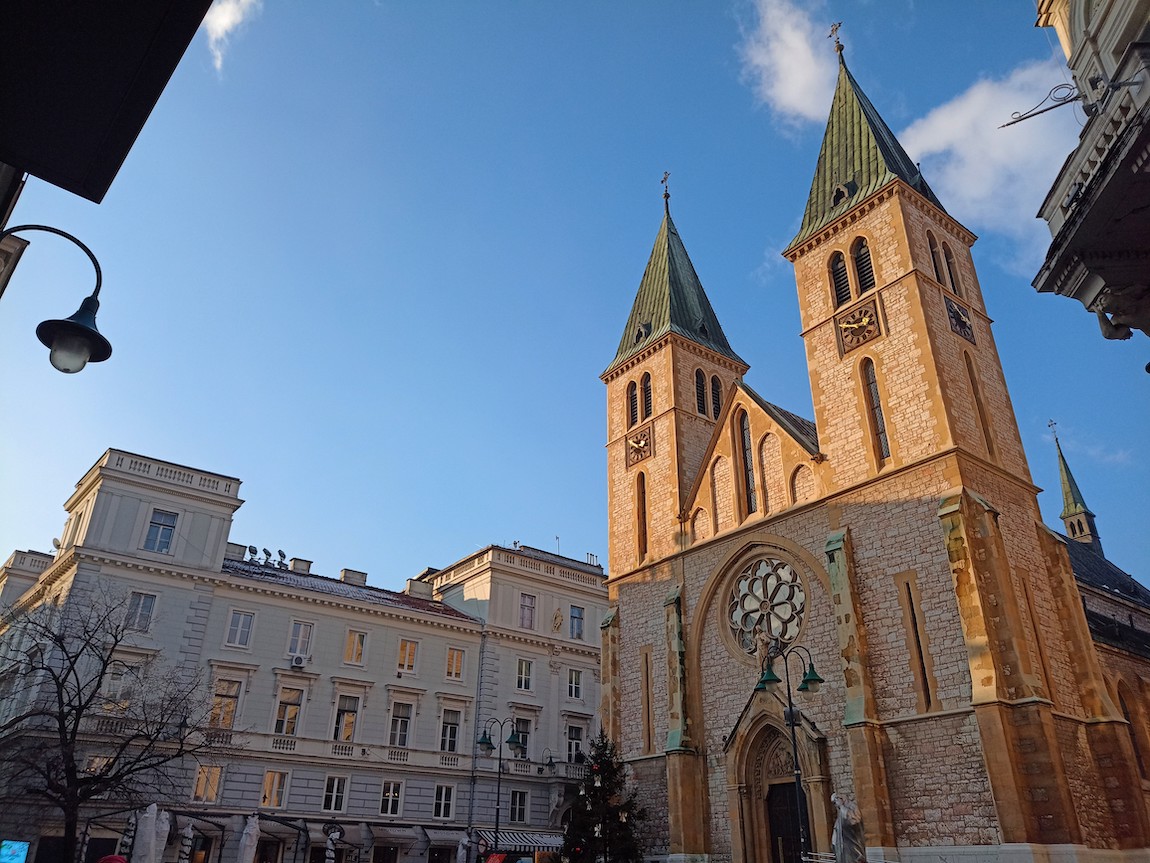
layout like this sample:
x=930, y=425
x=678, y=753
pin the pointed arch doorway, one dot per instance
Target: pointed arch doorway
x=769, y=808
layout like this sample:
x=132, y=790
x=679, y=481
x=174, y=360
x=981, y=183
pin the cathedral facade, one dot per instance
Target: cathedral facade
x=893, y=546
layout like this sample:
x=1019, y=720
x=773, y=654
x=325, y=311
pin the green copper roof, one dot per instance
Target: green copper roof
x=671, y=300
x=859, y=156
x=1072, y=500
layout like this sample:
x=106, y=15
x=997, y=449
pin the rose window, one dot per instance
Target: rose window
x=768, y=596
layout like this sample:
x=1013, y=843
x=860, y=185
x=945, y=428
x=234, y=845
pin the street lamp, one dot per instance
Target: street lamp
x=769, y=682
x=549, y=762
x=514, y=744
x=74, y=341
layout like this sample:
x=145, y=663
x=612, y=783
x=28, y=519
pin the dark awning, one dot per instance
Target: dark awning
x=519, y=840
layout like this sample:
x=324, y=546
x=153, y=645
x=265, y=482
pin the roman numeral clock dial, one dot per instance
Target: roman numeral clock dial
x=858, y=326
x=638, y=445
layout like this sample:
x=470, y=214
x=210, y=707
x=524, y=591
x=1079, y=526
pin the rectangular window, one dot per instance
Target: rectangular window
x=225, y=703
x=346, y=711
x=454, y=663
x=355, y=647
x=400, y=723
x=140, y=608
x=527, y=611
x=160, y=530
x=408, y=650
x=519, y=807
x=574, y=683
x=523, y=732
x=207, y=788
x=523, y=674
x=449, y=731
x=577, y=622
x=300, y=642
x=443, y=798
x=287, y=711
x=240, y=629
x=334, y=791
x=390, y=802
x=575, y=744
x=275, y=789
x=119, y=684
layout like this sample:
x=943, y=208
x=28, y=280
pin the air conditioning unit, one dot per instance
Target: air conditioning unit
x=298, y=661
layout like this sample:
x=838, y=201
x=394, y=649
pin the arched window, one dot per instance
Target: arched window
x=632, y=404
x=641, y=515
x=951, y=270
x=700, y=392
x=749, y=499
x=840, y=282
x=864, y=269
x=980, y=409
x=1134, y=735
x=646, y=395
x=935, y=257
x=874, y=408
x=716, y=396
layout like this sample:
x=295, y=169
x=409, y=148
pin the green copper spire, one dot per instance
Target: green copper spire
x=859, y=156
x=671, y=300
x=1072, y=501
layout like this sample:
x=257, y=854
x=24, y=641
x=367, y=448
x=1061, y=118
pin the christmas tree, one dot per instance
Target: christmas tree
x=605, y=817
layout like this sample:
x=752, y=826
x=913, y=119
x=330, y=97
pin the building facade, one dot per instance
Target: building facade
x=1098, y=207
x=327, y=702
x=894, y=544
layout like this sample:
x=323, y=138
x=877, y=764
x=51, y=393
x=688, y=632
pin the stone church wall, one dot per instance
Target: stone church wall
x=940, y=794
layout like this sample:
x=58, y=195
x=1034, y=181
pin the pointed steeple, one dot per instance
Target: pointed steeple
x=1076, y=515
x=859, y=156
x=671, y=300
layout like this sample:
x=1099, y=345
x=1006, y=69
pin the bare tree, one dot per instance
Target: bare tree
x=89, y=715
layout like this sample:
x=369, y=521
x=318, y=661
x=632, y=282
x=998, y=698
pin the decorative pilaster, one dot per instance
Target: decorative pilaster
x=864, y=734
x=1015, y=720
x=686, y=800
x=609, y=659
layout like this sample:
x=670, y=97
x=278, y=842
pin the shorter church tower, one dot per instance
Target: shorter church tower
x=1076, y=515
x=665, y=390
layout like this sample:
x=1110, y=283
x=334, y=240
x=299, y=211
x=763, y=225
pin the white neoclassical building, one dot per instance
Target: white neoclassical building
x=333, y=704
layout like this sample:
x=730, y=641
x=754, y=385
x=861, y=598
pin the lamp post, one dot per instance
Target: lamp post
x=548, y=762
x=74, y=341
x=514, y=743
x=769, y=682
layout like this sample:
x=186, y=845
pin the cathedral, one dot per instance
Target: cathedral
x=863, y=614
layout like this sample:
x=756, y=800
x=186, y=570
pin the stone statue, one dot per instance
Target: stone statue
x=762, y=645
x=847, y=839
x=557, y=620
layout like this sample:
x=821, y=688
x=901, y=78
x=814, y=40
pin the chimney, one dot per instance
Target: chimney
x=298, y=564
x=415, y=587
x=235, y=551
x=353, y=576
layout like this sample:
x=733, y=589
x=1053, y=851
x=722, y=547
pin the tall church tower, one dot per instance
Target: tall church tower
x=665, y=390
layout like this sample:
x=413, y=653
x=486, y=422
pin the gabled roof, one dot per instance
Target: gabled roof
x=671, y=300
x=859, y=156
x=1072, y=501
x=801, y=429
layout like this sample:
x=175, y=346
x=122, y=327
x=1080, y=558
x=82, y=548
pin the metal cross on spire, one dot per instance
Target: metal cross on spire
x=1051, y=425
x=834, y=34
x=665, y=183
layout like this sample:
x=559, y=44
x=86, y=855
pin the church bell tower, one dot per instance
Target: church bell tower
x=665, y=390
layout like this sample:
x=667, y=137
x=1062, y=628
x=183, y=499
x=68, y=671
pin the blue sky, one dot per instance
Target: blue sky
x=372, y=257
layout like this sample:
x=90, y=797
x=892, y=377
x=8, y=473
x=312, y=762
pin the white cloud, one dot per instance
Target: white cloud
x=788, y=61
x=222, y=20
x=994, y=179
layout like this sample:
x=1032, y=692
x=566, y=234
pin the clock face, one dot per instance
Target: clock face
x=638, y=445
x=960, y=320
x=858, y=326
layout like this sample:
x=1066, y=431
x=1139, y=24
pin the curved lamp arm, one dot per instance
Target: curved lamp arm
x=74, y=341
